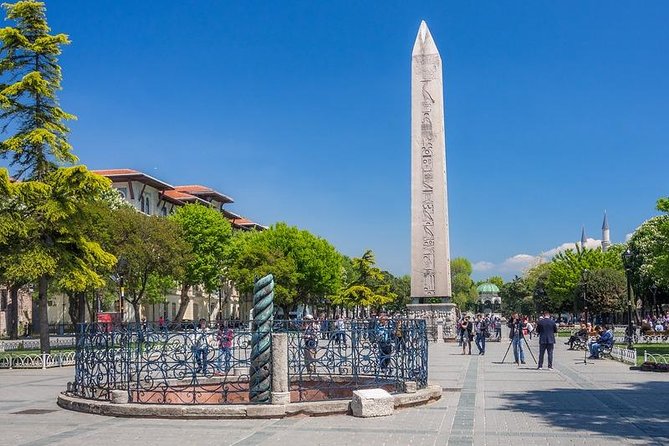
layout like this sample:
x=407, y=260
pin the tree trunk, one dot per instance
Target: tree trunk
x=91, y=310
x=44, y=315
x=73, y=310
x=13, y=319
x=82, y=308
x=183, y=303
x=135, y=307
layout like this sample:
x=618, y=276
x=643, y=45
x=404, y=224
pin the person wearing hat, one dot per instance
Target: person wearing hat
x=310, y=339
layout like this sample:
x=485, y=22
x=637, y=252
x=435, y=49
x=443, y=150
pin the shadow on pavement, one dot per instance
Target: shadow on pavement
x=636, y=412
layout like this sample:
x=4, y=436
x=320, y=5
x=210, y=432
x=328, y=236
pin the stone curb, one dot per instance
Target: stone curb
x=317, y=408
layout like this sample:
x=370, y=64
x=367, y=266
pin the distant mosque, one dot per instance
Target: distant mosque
x=606, y=235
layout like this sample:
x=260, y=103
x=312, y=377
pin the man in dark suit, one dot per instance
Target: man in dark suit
x=546, y=328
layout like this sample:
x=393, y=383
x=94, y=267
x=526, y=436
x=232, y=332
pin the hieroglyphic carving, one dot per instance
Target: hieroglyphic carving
x=428, y=69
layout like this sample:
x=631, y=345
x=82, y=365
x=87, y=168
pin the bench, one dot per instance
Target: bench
x=605, y=350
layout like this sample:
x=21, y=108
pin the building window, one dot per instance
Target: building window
x=3, y=300
x=141, y=203
x=163, y=211
x=148, y=205
x=123, y=191
x=174, y=311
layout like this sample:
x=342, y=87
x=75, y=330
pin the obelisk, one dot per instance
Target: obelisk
x=430, y=256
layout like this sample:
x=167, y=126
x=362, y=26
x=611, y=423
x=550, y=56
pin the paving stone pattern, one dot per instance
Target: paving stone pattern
x=484, y=403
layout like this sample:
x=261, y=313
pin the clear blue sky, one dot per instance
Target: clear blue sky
x=555, y=111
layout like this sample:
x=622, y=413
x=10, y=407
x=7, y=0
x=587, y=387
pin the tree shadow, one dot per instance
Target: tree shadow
x=638, y=411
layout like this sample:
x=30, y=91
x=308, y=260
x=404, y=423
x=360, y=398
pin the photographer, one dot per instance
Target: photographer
x=517, y=326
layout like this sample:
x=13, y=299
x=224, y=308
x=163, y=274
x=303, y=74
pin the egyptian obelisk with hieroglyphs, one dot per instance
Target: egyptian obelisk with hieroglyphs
x=430, y=256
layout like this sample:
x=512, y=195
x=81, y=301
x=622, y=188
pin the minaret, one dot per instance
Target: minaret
x=606, y=235
x=583, y=239
x=430, y=254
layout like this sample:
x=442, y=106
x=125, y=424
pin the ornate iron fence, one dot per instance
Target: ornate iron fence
x=366, y=355
x=185, y=365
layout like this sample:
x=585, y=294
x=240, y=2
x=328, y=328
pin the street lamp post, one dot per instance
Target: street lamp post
x=627, y=258
x=219, y=315
x=584, y=277
x=121, y=270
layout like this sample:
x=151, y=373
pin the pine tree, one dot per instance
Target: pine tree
x=30, y=77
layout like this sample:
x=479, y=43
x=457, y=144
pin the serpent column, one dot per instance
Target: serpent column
x=261, y=340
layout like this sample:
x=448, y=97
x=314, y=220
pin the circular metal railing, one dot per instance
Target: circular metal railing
x=182, y=364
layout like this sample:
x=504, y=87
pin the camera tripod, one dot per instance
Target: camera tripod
x=522, y=337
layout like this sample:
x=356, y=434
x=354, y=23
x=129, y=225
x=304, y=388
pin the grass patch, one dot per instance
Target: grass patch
x=658, y=349
x=34, y=351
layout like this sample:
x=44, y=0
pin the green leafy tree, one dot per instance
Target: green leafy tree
x=401, y=288
x=649, y=246
x=462, y=285
x=154, y=251
x=517, y=296
x=28, y=102
x=306, y=268
x=564, y=281
x=368, y=287
x=208, y=232
x=606, y=290
x=45, y=234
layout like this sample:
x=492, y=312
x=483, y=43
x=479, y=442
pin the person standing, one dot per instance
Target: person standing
x=517, y=326
x=201, y=346
x=383, y=338
x=481, y=329
x=310, y=337
x=466, y=329
x=224, y=336
x=546, y=328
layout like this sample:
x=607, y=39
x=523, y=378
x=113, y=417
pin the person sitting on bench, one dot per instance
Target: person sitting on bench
x=605, y=340
x=581, y=335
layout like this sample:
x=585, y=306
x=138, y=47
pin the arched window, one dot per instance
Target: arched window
x=148, y=205
x=141, y=203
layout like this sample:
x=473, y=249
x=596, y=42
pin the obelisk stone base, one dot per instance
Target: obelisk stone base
x=447, y=312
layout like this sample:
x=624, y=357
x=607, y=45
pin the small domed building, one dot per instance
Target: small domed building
x=489, y=301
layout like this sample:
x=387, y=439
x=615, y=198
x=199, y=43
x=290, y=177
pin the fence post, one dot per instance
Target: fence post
x=440, y=330
x=280, y=386
x=645, y=356
x=44, y=361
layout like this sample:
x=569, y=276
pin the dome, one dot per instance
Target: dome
x=487, y=288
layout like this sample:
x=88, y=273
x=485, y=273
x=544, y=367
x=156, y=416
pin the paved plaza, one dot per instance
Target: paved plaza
x=484, y=403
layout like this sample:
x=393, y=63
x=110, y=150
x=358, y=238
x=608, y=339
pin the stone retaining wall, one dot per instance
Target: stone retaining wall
x=316, y=408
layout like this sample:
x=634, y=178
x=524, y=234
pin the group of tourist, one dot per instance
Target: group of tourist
x=594, y=339
x=655, y=324
x=383, y=332
x=478, y=329
x=202, y=343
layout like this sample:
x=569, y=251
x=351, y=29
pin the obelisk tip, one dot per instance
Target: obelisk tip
x=424, y=43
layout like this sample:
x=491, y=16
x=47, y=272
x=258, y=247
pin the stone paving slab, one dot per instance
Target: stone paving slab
x=485, y=403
